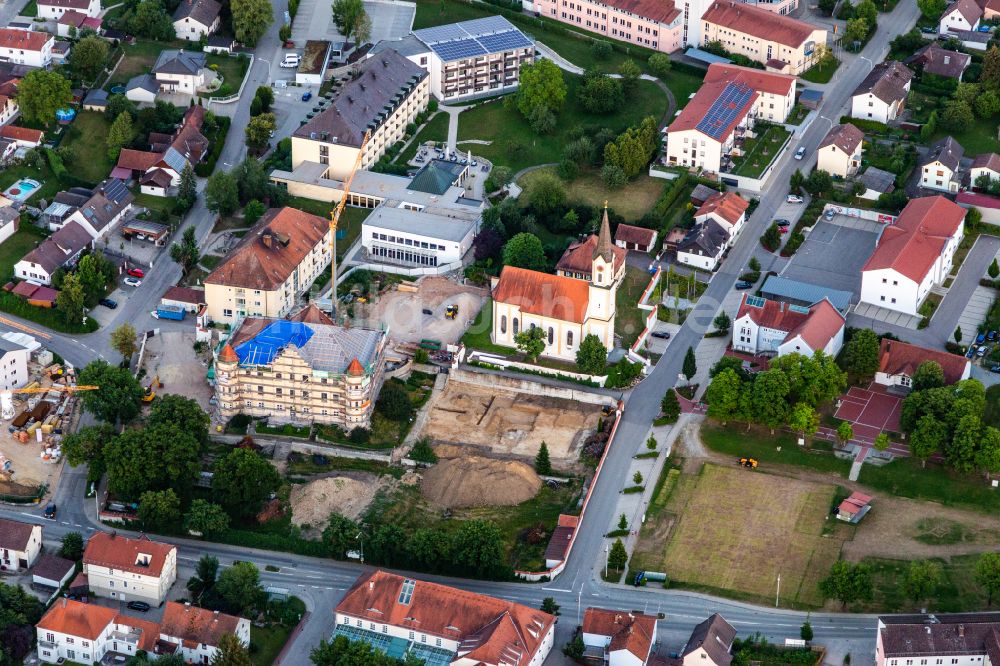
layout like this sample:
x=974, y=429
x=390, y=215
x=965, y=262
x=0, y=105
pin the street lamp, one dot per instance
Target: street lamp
x=607, y=558
x=361, y=538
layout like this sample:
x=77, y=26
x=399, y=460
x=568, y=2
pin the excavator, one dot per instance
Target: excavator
x=150, y=393
x=7, y=397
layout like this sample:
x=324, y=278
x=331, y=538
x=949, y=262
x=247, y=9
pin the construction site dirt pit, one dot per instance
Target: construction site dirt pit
x=507, y=423
x=171, y=357
x=474, y=481
x=349, y=495
x=405, y=311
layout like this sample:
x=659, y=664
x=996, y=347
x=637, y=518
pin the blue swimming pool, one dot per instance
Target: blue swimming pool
x=22, y=189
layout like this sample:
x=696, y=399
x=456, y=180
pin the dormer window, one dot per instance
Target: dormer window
x=142, y=560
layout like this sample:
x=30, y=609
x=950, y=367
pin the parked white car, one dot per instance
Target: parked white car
x=291, y=60
x=132, y=282
x=793, y=198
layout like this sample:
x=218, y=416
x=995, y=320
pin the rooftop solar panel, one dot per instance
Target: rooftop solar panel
x=459, y=50
x=505, y=41
x=724, y=110
x=492, y=34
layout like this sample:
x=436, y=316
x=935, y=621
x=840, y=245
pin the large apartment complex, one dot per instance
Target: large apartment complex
x=956, y=639
x=383, y=99
x=302, y=370
x=277, y=260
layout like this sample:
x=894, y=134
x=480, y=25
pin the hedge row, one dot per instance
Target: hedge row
x=207, y=166
x=670, y=195
x=266, y=541
x=48, y=317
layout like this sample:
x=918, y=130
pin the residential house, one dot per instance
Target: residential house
x=566, y=308
x=195, y=19
x=939, y=169
x=639, y=239
x=26, y=47
x=881, y=96
x=991, y=9
x=52, y=572
x=984, y=166
x=913, y=254
x=274, y=264
x=187, y=298
x=713, y=125
x=86, y=633
x=939, y=61
x=96, y=100
x=623, y=638
x=158, y=170
x=99, y=213
x=960, y=15
x=383, y=99
x=703, y=246
x=8, y=108
x=55, y=9
x=655, y=25
x=13, y=370
x=710, y=643
x=877, y=182
x=129, y=569
x=701, y=193
x=898, y=361
x=194, y=633
x=60, y=250
x=307, y=370
x=10, y=220
x=72, y=22
x=762, y=36
x=839, y=153
x=443, y=623
x=468, y=59
x=728, y=209
x=20, y=543
x=776, y=328
x=951, y=638
x=987, y=204
x=181, y=71
x=22, y=136
x=142, y=89
x=60, y=52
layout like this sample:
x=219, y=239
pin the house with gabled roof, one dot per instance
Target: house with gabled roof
x=881, y=96
x=20, y=543
x=984, y=164
x=60, y=250
x=158, y=170
x=129, y=569
x=55, y=9
x=769, y=327
x=630, y=237
x=194, y=633
x=26, y=47
x=913, y=254
x=444, y=624
x=86, y=633
x=624, y=638
x=960, y=15
x=195, y=19
x=951, y=638
x=939, y=169
x=839, y=153
x=898, y=362
x=939, y=61
x=710, y=643
x=99, y=212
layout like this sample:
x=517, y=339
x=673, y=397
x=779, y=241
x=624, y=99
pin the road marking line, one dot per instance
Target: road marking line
x=555, y=589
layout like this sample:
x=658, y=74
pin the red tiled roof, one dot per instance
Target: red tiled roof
x=73, y=18
x=185, y=295
x=545, y=295
x=15, y=535
x=902, y=358
x=149, y=631
x=758, y=22
x=75, y=4
x=967, y=8
x=24, y=290
x=817, y=326
x=77, y=619
x=197, y=625
x=119, y=552
x=727, y=205
x=137, y=160
x=989, y=161
x=914, y=242
x=489, y=630
x=654, y=10
x=626, y=233
x=562, y=537
x=21, y=133
x=311, y=314
x=821, y=326
x=579, y=257
x=977, y=199
x=761, y=81
x=228, y=354
x=698, y=107
x=846, y=136
x=854, y=503
x=27, y=40
x=628, y=631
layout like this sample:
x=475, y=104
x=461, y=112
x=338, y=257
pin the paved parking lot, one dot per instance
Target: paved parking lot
x=834, y=253
x=974, y=313
x=314, y=20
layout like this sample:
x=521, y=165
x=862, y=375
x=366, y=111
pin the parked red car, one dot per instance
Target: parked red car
x=136, y=272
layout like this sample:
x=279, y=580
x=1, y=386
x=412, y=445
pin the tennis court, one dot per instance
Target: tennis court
x=870, y=411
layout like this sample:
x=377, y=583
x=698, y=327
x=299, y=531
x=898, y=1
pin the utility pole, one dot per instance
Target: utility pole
x=607, y=558
x=778, y=592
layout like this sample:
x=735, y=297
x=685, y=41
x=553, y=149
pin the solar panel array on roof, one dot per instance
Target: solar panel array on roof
x=471, y=39
x=115, y=189
x=724, y=110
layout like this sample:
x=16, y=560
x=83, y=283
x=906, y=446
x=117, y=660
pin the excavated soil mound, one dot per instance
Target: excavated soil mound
x=477, y=481
x=313, y=502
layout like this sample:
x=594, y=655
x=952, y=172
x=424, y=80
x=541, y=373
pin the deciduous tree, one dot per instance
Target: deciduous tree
x=394, y=402
x=541, y=85
x=928, y=375
x=990, y=76
x=932, y=9
x=659, y=64
x=525, y=251
x=770, y=390
x=154, y=458
x=723, y=395
x=922, y=579
x=988, y=574
x=222, y=193
x=88, y=57
x=956, y=116
x=601, y=94
x=123, y=341
x=71, y=546
x=231, y=652
x=546, y=194
x=206, y=518
x=70, y=300
x=346, y=15
x=804, y=420
x=86, y=446
x=159, y=508
x=592, y=355
x=239, y=587
x=243, y=480
x=149, y=19
x=258, y=131
x=845, y=431
x=633, y=148
x=251, y=19
x=960, y=452
x=478, y=550
x=861, y=353
x=848, y=583
x=182, y=412
x=531, y=342
x=120, y=394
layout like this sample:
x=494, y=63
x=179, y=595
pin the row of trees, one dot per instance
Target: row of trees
x=152, y=19
x=247, y=182
x=788, y=393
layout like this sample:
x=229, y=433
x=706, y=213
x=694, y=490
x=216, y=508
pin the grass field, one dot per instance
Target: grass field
x=515, y=144
x=139, y=59
x=269, y=641
x=905, y=477
x=14, y=248
x=87, y=137
x=819, y=74
x=350, y=221
x=958, y=591
x=232, y=70
x=629, y=318
x=631, y=202
x=978, y=137
x=736, y=530
x=759, y=152
x=436, y=129
x=736, y=441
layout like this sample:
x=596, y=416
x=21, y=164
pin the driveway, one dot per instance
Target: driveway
x=832, y=255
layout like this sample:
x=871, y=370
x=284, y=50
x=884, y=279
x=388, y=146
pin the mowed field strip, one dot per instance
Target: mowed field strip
x=738, y=529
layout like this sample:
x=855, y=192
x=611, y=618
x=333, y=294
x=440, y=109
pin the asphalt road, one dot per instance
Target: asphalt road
x=321, y=583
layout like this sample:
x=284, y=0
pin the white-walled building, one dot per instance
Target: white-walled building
x=444, y=623
x=898, y=362
x=962, y=639
x=728, y=209
x=181, y=71
x=780, y=42
x=722, y=113
x=54, y=9
x=881, y=96
x=61, y=249
x=839, y=154
x=194, y=633
x=129, y=569
x=20, y=543
x=913, y=255
x=960, y=15
x=85, y=633
x=939, y=170
x=718, y=223
x=984, y=164
x=710, y=643
x=567, y=309
x=776, y=328
x=625, y=638
x=26, y=47
x=195, y=19
x=13, y=368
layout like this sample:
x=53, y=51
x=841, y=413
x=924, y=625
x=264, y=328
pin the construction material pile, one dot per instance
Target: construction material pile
x=478, y=481
x=350, y=496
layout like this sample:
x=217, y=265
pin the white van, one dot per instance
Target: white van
x=291, y=60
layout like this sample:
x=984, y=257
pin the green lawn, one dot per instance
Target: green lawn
x=514, y=144
x=629, y=319
x=232, y=70
x=978, y=137
x=269, y=641
x=820, y=74
x=631, y=202
x=736, y=441
x=14, y=248
x=139, y=59
x=435, y=129
x=351, y=219
x=682, y=85
x=50, y=186
x=87, y=137
x=958, y=591
x=478, y=335
x=906, y=478
x=797, y=115
x=759, y=152
x=30, y=9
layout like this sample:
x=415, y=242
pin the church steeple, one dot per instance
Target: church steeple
x=605, y=249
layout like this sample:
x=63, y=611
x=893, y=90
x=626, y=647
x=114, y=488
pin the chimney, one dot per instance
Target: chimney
x=371, y=585
x=267, y=238
x=961, y=631
x=947, y=59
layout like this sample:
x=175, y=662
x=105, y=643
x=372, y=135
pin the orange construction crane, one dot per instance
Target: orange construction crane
x=7, y=397
x=335, y=220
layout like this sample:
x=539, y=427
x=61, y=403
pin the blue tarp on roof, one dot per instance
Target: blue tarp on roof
x=263, y=347
x=705, y=56
x=802, y=293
